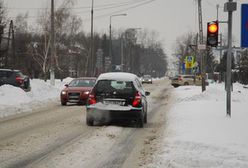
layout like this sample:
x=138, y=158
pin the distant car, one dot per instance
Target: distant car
x=181, y=80
x=117, y=96
x=77, y=91
x=146, y=79
x=14, y=78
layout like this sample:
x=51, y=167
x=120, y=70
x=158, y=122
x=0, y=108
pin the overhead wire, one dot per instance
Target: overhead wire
x=104, y=7
x=111, y=7
x=126, y=9
x=132, y=6
x=80, y=7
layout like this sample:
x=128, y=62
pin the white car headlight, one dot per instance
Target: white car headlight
x=87, y=92
x=63, y=92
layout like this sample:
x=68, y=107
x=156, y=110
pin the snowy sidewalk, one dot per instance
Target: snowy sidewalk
x=200, y=135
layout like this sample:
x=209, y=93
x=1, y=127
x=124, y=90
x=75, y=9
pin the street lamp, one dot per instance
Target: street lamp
x=110, y=36
x=122, y=54
x=91, y=41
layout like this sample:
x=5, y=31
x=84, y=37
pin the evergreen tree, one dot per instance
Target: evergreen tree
x=244, y=67
x=223, y=61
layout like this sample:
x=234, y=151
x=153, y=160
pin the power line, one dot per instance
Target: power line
x=81, y=7
x=212, y=4
x=123, y=10
x=110, y=7
x=101, y=9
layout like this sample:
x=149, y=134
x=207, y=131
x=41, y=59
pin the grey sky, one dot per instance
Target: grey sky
x=170, y=18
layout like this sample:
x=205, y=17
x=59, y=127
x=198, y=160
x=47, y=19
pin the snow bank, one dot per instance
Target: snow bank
x=14, y=100
x=198, y=132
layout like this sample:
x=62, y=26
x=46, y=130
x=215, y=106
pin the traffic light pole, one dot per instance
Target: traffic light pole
x=229, y=7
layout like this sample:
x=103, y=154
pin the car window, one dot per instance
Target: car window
x=19, y=74
x=108, y=86
x=82, y=83
x=5, y=74
x=147, y=76
x=138, y=83
x=188, y=77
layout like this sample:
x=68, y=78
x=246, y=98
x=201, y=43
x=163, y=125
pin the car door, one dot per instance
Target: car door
x=142, y=91
x=6, y=77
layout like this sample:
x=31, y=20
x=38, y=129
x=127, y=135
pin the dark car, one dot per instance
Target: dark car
x=77, y=91
x=146, y=79
x=14, y=78
x=117, y=96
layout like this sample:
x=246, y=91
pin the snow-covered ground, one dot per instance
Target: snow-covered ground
x=199, y=134
x=14, y=100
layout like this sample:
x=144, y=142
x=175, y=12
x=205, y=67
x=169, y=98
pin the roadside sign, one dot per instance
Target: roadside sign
x=183, y=68
x=189, y=62
x=244, y=25
x=202, y=47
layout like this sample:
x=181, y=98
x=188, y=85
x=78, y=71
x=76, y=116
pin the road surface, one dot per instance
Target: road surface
x=58, y=137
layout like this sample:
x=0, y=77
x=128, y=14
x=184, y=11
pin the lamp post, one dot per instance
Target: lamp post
x=110, y=36
x=122, y=41
x=91, y=67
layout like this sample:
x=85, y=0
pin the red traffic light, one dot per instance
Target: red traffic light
x=212, y=33
x=213, y=28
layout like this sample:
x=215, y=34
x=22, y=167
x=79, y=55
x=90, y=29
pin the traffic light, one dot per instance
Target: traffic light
x=212, y=35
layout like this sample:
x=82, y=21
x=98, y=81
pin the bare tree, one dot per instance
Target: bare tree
x=66, y=24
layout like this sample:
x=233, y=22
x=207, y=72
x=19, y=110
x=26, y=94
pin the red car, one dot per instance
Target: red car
x=77, y=91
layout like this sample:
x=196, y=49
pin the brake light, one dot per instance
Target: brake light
x=92, y=99
x=19, y=80
x=137, y=99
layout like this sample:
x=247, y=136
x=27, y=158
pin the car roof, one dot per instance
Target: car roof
x=119, y=76
x=10, y=70
x=185, y=75
x=92, y=78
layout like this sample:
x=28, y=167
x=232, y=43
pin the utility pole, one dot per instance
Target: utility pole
x=13, y=43
x=201, y=42
x=110, y=38
x=91, y=60
x=110, y=44
x=122, y=53
x=52, y=69
x=217, y=6
x=229, y=7
x=221, y=47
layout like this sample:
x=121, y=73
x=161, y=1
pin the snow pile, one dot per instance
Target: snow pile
x=10, y=95
x=198, y=132
x=14, y=100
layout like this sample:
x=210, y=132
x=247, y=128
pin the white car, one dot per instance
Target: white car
x=146, y=79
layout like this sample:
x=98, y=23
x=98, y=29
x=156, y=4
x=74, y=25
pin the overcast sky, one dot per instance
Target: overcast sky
x=170, y=18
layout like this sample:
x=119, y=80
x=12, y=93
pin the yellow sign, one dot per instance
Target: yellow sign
x=189, y=62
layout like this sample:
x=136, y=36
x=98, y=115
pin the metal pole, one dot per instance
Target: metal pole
x=110, y=38
x=229, y=63
x=122, y=53
x=52, y=74
x=110, y=44
x=91, y=60
x=217, y=6
x=203, y=73
x=196, y=56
